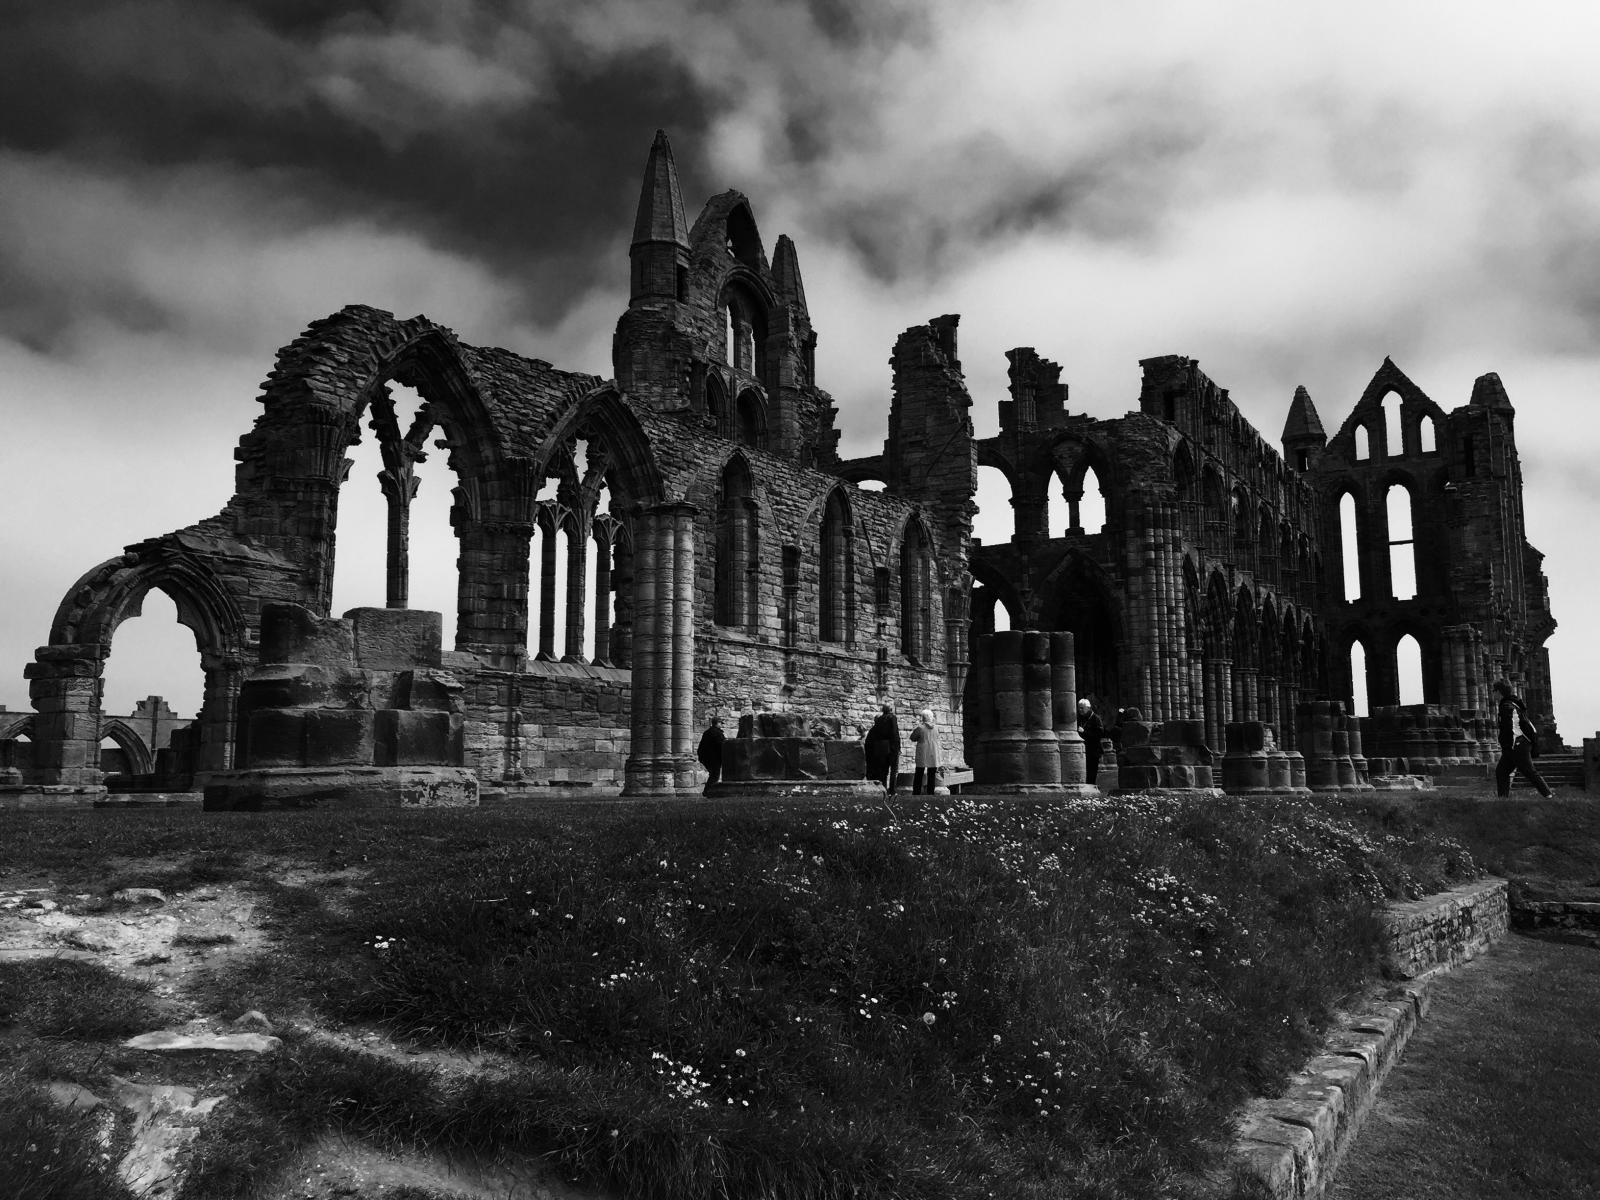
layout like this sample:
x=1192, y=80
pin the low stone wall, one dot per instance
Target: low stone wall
x=1292, y=1143
x=1439, y=932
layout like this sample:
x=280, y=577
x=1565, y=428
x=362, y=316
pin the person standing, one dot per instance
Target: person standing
x=883, y=749
x=1516, y=744
x=1093, y=730
x=926, y=736
x=710, y=753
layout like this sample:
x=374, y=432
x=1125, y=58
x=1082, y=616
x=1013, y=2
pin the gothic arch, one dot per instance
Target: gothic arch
x=141, y=757
x=1078, y=596
x=65, y=684
x=15, y=725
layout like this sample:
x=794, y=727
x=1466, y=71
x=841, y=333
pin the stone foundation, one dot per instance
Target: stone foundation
x=342, y=787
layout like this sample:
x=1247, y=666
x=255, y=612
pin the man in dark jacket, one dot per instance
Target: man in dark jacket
x=710, y=752
x=883, y=748
x=1093, y=730
x=1516, y=743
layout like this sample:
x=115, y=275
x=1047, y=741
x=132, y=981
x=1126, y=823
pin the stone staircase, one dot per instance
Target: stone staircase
x=1562, y=770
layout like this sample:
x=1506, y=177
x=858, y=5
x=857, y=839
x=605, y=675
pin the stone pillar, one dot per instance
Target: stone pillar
x=641, y=772
x=683, y=731
x=602, y=602
x=64, y=686
x=547, y=589
x=1316, y=720
x=219, y=715
x=1007, y=756
x=661, y=720
x=1042, y=748
x=1064, y=707
x=399, y=483
x=577, y=584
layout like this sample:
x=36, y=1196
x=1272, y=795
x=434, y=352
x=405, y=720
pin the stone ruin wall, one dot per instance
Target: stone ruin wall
x=1210, y=575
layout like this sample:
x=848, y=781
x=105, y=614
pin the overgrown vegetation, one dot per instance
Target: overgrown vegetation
x=949, y=1000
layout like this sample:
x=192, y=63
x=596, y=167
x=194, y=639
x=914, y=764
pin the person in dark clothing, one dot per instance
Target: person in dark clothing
x=710, y=753
x=883, y=749
x=1516, y=744
x=1093, y=730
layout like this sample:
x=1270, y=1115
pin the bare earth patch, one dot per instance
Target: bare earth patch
x=180, y=945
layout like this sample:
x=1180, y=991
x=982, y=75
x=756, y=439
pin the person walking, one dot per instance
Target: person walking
x=710, y=753
x=926, y=736
x=1093, y=730
x=1516, y=743
x=883, y=749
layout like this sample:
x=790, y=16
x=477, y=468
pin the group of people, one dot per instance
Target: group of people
x=882, y=746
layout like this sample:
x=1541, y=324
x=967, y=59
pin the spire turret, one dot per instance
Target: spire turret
x=660, y=249
x=786, y=274
x=1303, y=435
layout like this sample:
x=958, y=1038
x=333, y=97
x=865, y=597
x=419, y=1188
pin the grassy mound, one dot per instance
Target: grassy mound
x=953, y=1000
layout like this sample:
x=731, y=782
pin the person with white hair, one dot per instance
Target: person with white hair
x=1093, y=730
x=926, y=736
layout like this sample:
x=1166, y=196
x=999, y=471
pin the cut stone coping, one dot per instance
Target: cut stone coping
x=1293, y=1143
x=171, y=1040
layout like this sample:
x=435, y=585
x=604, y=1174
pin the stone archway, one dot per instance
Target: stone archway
x=65, y=677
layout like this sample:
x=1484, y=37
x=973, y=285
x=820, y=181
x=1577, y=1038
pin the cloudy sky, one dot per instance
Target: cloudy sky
x=1286, y=192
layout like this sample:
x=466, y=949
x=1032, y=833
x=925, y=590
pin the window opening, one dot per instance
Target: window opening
x=1358, y=679
x=1394, y=442
x=995, y=520
x=1402, y=551
x=1363, y=450
x=1347, y=545
x=1408, y=665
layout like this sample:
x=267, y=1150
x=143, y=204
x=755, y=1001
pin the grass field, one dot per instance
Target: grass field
x=943, y=1000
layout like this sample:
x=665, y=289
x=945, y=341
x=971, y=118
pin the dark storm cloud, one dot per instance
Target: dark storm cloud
x=539, y=178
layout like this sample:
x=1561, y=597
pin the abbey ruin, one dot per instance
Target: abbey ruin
x=719, y=558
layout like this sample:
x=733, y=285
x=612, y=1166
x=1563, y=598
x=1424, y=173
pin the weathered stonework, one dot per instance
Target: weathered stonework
x=720, y=558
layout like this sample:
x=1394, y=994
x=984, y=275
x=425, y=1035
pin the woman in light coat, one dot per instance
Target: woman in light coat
x=926, y=736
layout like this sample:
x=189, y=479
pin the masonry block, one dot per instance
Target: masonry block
x=397, y=639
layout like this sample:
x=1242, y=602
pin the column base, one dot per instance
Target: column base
x=674, y=776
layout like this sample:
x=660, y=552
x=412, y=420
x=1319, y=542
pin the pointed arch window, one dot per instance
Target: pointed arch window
x=837, y=601
x=1393, y=441
x=1402, y=548
x=1358, y=679
x=1408, y=669
x=1349, y=548
x=1427, y=435
x=738, y=549
x=916, y=595
x=750, y=420
x=1363, y=446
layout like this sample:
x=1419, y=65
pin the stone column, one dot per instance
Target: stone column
x=547, y=588
x=662, y=715
x=649, y=640
x=64, y=686
x=1042, y=749
x=219, y=714
x=1064, y=707
x=577, y=584
x=1007, y=756
x=602, y=602
x=682, y=517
